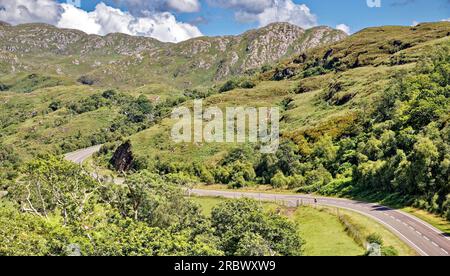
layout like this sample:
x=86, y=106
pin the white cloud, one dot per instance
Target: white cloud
x=415, y=23
x=344, y=28
x=448, y=19
x=102, y=20
x=184, y=5
x=29, y=11
x=288, y=11
x=269, y=11
x=74, y=18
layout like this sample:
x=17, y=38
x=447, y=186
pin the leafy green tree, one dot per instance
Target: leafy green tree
x=242, y=154
x=425, y=156
x=253, y=244
x=279, y=180
x=325, y=151
x=241, y=173
x=203, y=173
x=288, y=159
x=235, y=220
x=53, y=184
x=24, y=234
x=149, y=198
x=126, y=237
x=267, y=167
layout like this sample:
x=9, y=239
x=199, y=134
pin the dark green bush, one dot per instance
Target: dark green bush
x=247, y=84
x=389, y=251
x=375, y=238
x=228, y=86
x=86, y=80
x=4, y=87
x=55, y=105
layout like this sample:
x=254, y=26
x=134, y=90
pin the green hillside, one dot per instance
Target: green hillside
x=55, y=84
x=367, y=115
x=364, y=116
x=321, y=104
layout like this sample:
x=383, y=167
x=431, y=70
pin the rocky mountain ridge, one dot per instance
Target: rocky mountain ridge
x=131, y=60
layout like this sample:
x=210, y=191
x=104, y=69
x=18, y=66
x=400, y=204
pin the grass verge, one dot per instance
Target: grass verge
x=367, y=226
x=324, y=234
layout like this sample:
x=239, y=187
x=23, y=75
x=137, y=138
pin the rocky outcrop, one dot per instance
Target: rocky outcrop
x=114, y=56
x=122, y=159
x=283, y=74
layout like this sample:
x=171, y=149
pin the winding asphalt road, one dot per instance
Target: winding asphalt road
x=421, y=236
x=80, y=156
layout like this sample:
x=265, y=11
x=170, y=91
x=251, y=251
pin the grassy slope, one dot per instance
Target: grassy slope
x=44, y=130
x=27, y=123
x=308, y=112
x=156, y=141
x=324, y=234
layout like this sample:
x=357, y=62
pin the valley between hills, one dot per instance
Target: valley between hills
x=364, y=117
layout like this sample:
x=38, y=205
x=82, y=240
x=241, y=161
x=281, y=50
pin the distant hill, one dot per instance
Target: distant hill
x=376, y=46
x=124, y=61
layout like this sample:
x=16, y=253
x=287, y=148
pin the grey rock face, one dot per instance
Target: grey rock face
x=122, y=159
x=23, y=48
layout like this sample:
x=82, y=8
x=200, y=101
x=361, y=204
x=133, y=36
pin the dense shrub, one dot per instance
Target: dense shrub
x=375, y=238
x=55, y=105
x=235, y=222
x=86, y=80
x=247, y=84
x=4, y=87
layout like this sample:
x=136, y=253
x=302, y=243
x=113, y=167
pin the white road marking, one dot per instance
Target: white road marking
x=421, y=222
x=443, y=250
x=435, y=244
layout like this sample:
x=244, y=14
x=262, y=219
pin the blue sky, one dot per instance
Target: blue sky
x=354, y=13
